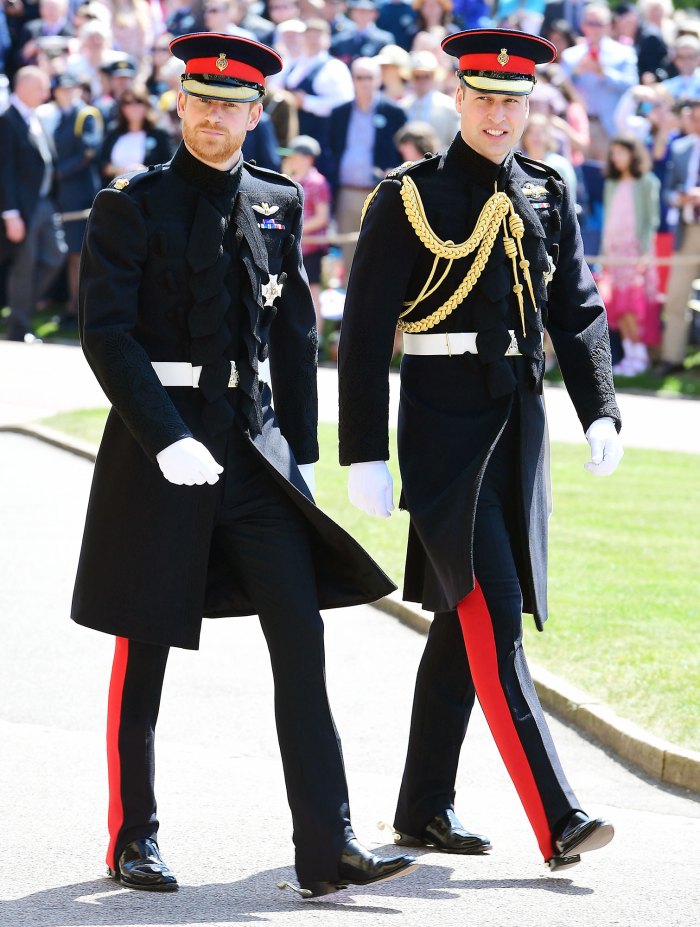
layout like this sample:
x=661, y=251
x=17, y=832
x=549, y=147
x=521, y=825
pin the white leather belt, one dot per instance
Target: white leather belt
x=449, y=343
x=180, y=373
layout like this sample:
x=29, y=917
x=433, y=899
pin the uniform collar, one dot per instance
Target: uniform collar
x=474, y=167
x=207, y=179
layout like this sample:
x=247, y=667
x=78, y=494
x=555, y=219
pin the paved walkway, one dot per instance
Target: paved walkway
x=225, y=825
x=38, y=380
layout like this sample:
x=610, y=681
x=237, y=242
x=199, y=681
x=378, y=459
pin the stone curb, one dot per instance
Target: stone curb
x=658, y=758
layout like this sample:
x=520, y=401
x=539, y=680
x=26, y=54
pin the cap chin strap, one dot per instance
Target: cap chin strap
x=225, y=93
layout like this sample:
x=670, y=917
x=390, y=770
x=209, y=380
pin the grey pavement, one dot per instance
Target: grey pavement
x=225, y=827
x=38, y=380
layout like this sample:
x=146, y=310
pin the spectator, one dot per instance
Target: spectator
x=117, y=76
x=244, y=18
x=630, y=221
x=600, y=69
x=656, y=33
x=572, y=122
x=185, y=16
x=133, y=28
x=260, y=145
x=53, y=22
x=134, y=141
x=335, y=14
x=685, y=56
x=427, y=103
x=279, y=11
x=569, y=11
x=366, y=39
x=394, y=62
x=156, y=81
x=435, y=16
x=317, y=209
x=682, y=189
x=624, y=25
x=94, y=42
x=319, y=82
x=76, y=130
x=219, y=18
x=400, y=19
x=30, y=241
x=362, y=146
x=416, y=139
x=538, y=143
x=561, y=35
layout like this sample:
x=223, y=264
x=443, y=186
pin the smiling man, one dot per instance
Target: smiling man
x=201, y=501
x=472, y=254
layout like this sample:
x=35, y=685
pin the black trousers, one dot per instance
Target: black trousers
x=476, y=650
x=267, y=543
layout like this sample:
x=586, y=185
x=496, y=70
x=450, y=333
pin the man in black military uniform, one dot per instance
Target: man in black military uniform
x=201, y=501
x=473, y=253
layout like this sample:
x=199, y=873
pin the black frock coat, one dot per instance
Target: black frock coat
x=453, y=409
x=173, y=267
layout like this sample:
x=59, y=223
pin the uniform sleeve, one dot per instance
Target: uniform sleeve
x=112, y=261
x=377, y=288
x=578, y=326
x=294, y=354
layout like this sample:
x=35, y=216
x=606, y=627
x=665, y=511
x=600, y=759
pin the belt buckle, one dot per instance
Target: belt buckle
x=234, y=379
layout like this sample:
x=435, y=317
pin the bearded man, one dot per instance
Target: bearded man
x=201, y=502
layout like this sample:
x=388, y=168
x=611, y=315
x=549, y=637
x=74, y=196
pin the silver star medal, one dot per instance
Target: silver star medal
x=548, y=275
x=271, y=290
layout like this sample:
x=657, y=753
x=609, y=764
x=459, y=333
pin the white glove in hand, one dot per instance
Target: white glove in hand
x=309, y=473
x=371, y=488
x=187, y=463
x=606, y=447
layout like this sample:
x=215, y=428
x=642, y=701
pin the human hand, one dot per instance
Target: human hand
x=15, y=229
x=188, y=463
x=606, y=447
x=371, y=488
x=308, y=472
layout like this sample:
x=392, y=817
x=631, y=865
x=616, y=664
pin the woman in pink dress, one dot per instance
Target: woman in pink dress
x=630, y=220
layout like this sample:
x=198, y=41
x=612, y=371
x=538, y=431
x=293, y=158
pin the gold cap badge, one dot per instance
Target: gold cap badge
x=222, y=61
x=121, y=183
x=503, y=58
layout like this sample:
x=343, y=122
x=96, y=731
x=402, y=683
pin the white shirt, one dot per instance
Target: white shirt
x=332, y=85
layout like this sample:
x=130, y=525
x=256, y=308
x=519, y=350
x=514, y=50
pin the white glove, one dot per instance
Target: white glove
x=371, y=488
x=309, y=473
x=187, y=462
x=606, y=447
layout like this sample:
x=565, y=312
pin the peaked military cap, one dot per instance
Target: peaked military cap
x=499, y=60
x=224, y=67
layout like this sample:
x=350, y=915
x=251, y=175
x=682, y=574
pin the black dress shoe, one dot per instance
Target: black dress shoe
x=359, y=867
x=445, y=833
x=581, y=835
x=140, y=866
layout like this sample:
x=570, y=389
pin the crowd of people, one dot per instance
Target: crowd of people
x=89, y=92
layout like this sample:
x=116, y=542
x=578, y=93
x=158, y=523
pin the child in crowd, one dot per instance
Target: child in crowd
x=630, y=220
x=317, y=197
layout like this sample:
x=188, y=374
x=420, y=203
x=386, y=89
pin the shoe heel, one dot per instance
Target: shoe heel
x=312, y=889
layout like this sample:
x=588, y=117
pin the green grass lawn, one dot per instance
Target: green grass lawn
x=624, y=575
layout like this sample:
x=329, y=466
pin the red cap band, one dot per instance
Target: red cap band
x=490, y=62
x=236, y=69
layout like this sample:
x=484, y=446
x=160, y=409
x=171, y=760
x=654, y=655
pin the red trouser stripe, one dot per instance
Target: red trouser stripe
x=115, y=816
x=480, y=644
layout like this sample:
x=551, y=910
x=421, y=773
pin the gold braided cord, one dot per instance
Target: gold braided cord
x=461, y=293
x=425, y=292
x=494, y=211
x=517, y=230
x=367, y=203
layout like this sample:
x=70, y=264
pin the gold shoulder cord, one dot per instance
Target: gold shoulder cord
x=485, y=231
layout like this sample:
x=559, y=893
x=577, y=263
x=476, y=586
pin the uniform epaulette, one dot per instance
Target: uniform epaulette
x=85, y=113
x=411, y=166
x=539, y=166
x=131, y=178
x=266, y=173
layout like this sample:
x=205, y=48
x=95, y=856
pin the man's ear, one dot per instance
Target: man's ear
x=254, y=115
x=459, y=98
x=181, y=97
